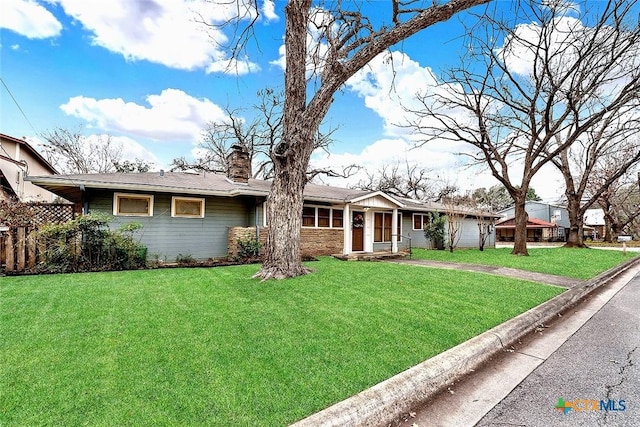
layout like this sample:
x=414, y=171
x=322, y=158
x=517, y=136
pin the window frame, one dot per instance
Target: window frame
x=118, y=196
x=422, y=221
x=387, y=229
x=316, y=218
x=175, y=199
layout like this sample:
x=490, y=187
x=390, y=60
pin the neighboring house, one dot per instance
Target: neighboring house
x=537, y=230
x=547, y=222
x=17, y=161
x=594, y=226
x=202, y=215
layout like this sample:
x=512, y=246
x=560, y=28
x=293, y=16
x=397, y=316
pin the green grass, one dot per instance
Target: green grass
x=570, y=262
x=214, y=347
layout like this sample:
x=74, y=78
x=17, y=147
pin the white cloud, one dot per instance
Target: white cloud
x=171, y=115
x=233, y=66
x=174, y=33
x=131, y=150
x=269, y=10
x=445, y=166
x=30, y=19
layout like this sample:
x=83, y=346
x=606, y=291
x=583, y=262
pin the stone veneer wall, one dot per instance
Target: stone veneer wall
x=314, y=241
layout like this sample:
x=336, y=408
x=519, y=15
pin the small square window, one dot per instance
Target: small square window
x=132, y=204
x=187, y=207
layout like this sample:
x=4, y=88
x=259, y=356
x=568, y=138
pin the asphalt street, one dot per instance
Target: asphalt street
x=596, y=373
x=586, y=362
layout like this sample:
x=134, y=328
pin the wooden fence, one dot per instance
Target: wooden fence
x=20, y=251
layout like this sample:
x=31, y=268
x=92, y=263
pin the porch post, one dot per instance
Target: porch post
x=394, y=231
x=346, y=228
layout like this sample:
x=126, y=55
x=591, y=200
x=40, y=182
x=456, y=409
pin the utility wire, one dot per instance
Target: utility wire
x=18, y=105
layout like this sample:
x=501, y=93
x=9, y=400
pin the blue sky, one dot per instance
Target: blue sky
x=144, y=72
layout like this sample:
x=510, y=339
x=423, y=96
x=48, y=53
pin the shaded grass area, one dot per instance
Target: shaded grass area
x=569, y=262
x=214, y=347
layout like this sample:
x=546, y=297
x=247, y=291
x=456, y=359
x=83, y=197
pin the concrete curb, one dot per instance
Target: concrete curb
x=385, y=402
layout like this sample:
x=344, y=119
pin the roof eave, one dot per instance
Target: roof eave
x=56, y=182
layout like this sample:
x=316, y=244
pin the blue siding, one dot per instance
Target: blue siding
x=166, y=238
x=469, y=234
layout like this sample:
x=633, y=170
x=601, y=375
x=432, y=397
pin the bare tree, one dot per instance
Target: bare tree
x=526, y=93
x=620, y=202
x=496, y=197
x=482, y=209
x=72, y=152
x=344, y=41
x=257, y=136
x=592, y=166
x=455, y=220
x=406, y=180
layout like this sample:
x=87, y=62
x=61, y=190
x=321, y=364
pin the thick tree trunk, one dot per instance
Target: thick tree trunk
x=575, y=239
x=283, y=254
x=283, y=257
x=520, y=237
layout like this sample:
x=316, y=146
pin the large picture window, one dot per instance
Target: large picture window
x=322, y=217
x=125, y=204
x=382, y=229
x=187, y=207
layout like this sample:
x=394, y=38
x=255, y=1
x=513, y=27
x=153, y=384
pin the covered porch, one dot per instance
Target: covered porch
x=372, y=226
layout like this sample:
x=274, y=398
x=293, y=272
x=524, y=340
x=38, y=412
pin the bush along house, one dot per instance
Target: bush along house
x=204, y=215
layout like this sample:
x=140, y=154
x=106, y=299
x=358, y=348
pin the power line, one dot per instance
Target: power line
x=18, y=105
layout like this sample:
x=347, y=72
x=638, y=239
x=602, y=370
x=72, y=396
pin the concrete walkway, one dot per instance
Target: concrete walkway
x=550, y=279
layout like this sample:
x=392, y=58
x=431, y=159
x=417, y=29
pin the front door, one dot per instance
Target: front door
x=357, y=231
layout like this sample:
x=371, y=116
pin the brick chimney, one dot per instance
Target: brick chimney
x=238, y=164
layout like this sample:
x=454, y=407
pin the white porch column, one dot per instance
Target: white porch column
x=346, y=227
x=394, y=231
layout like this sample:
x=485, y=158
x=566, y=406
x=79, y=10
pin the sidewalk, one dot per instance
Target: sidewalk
x=550, y=279
x=469, y=400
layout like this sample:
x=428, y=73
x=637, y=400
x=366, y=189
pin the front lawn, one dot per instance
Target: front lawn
x=570, y=262
x=214, y=347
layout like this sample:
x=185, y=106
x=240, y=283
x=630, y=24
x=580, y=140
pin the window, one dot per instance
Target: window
x=337, y=218
x=382, y=227
x=132, y=204
x=419, y=221
x=308, y=216
x=324, y=216
x=187, y=207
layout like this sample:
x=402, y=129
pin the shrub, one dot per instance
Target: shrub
x=185, y=259
x=434, y=230
x=87, y=244
x=248, y=250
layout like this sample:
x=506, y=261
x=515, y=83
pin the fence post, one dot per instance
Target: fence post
x=21, y=252
x=31, y=250
x=9, y=251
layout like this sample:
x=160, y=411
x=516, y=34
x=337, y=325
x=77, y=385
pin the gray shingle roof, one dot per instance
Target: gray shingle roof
x=205, y=184
x=183, y=182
